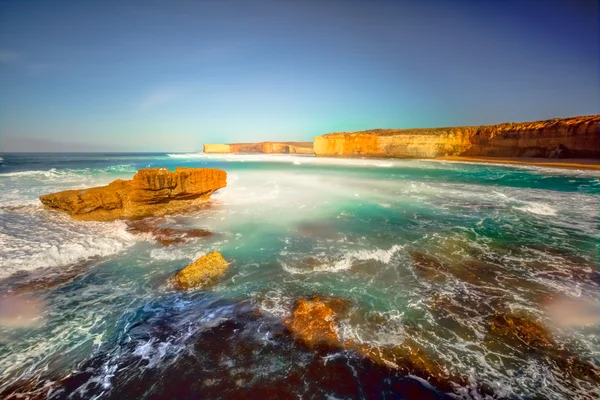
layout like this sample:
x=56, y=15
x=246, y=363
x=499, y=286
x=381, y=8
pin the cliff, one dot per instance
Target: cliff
x=262, y=147
x=151, y=192
x=576, y=137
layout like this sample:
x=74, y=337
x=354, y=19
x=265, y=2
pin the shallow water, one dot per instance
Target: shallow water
x=424, y=250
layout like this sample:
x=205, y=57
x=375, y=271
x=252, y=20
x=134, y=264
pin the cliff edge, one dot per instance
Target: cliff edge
x=261, y=147
x=576, y=137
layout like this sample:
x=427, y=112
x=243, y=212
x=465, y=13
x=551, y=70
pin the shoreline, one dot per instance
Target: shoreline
x=569, y=163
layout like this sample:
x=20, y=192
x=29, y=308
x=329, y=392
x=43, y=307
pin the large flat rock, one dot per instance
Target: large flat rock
x=151, y=192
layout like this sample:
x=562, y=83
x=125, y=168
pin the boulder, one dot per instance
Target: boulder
x=151, y=192
x=201, y=272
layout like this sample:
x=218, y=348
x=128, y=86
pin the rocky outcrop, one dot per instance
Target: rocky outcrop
x=315, y=323
x=151, y=192
x=203, y=271
x=576, y=137
x=262, y=147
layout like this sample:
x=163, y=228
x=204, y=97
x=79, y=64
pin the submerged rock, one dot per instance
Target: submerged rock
x=314, y=323
x=533, y=338
x=151, y=192
x=201, y=272
x=168, y=236
x=521, y=331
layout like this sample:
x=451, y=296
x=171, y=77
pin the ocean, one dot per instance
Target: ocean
x=423, y=250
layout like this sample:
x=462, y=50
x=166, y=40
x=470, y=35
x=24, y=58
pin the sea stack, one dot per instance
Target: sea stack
x=151, y=192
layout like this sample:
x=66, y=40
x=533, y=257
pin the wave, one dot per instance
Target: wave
x=54, y=173
x=293, y=159
x=33, y=238
x=538, y=209
x=188, y=155
x=167, y=254
x=345, y=263
x=47, y=174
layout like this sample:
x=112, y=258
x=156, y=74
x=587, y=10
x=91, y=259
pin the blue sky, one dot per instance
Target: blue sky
x=172, y=75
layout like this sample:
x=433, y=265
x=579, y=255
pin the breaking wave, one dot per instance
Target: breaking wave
x=340, y=264
x=31, y=238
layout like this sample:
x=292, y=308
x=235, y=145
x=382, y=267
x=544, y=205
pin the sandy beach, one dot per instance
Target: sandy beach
x=571, y=163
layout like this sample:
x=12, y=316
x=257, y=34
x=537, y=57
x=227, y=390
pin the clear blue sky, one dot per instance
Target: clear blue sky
x=172, y=75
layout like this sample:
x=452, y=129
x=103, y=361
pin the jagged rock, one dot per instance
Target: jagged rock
x=151, y=192
x=313, y=320
x=201, y=272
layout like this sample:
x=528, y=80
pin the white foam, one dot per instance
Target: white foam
x=33, y=238
x=175, y=254
x=188, y=155
x=49, y=173
x=538, y=208
x=343, y=263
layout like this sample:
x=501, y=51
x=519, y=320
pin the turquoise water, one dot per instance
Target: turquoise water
x=98, y=318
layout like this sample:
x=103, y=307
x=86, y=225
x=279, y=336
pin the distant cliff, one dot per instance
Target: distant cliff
x=262, y=147
x=576, y=137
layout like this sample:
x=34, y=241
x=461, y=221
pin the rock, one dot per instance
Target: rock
x=151, y=192
x=576, y=137
x=559, y=152
x=535, y=339
x=262, y=147
x=167, y=236
x=520, y=331
x=313, y=321
x=203, y=271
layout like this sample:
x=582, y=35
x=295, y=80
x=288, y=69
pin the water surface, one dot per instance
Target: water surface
x=99, y=320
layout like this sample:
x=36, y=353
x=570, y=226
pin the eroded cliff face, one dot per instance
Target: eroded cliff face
x=151, y=192
x=576, y=137
x=262, y=147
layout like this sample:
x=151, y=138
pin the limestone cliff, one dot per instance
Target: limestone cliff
x=262, y=147
x=152, y=191
x=576, y=137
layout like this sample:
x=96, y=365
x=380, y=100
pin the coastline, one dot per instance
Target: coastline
x=569, y=163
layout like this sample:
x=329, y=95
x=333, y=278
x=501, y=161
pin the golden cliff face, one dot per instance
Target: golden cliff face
x=576, y=137
x=262, y=147
x=151, y=192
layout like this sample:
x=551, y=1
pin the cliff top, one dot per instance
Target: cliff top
x=535, y=125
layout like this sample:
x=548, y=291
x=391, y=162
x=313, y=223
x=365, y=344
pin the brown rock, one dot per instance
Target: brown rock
x=151, y=192
x=577, y=137
x=534, y=338
x=203, y=271
x=168, y=236
x=313, y=321
x=522, y=331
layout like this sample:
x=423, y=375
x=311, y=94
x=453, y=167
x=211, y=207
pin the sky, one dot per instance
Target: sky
x=173, y=75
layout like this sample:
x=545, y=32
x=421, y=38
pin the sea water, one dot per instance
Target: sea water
x=95, y=317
